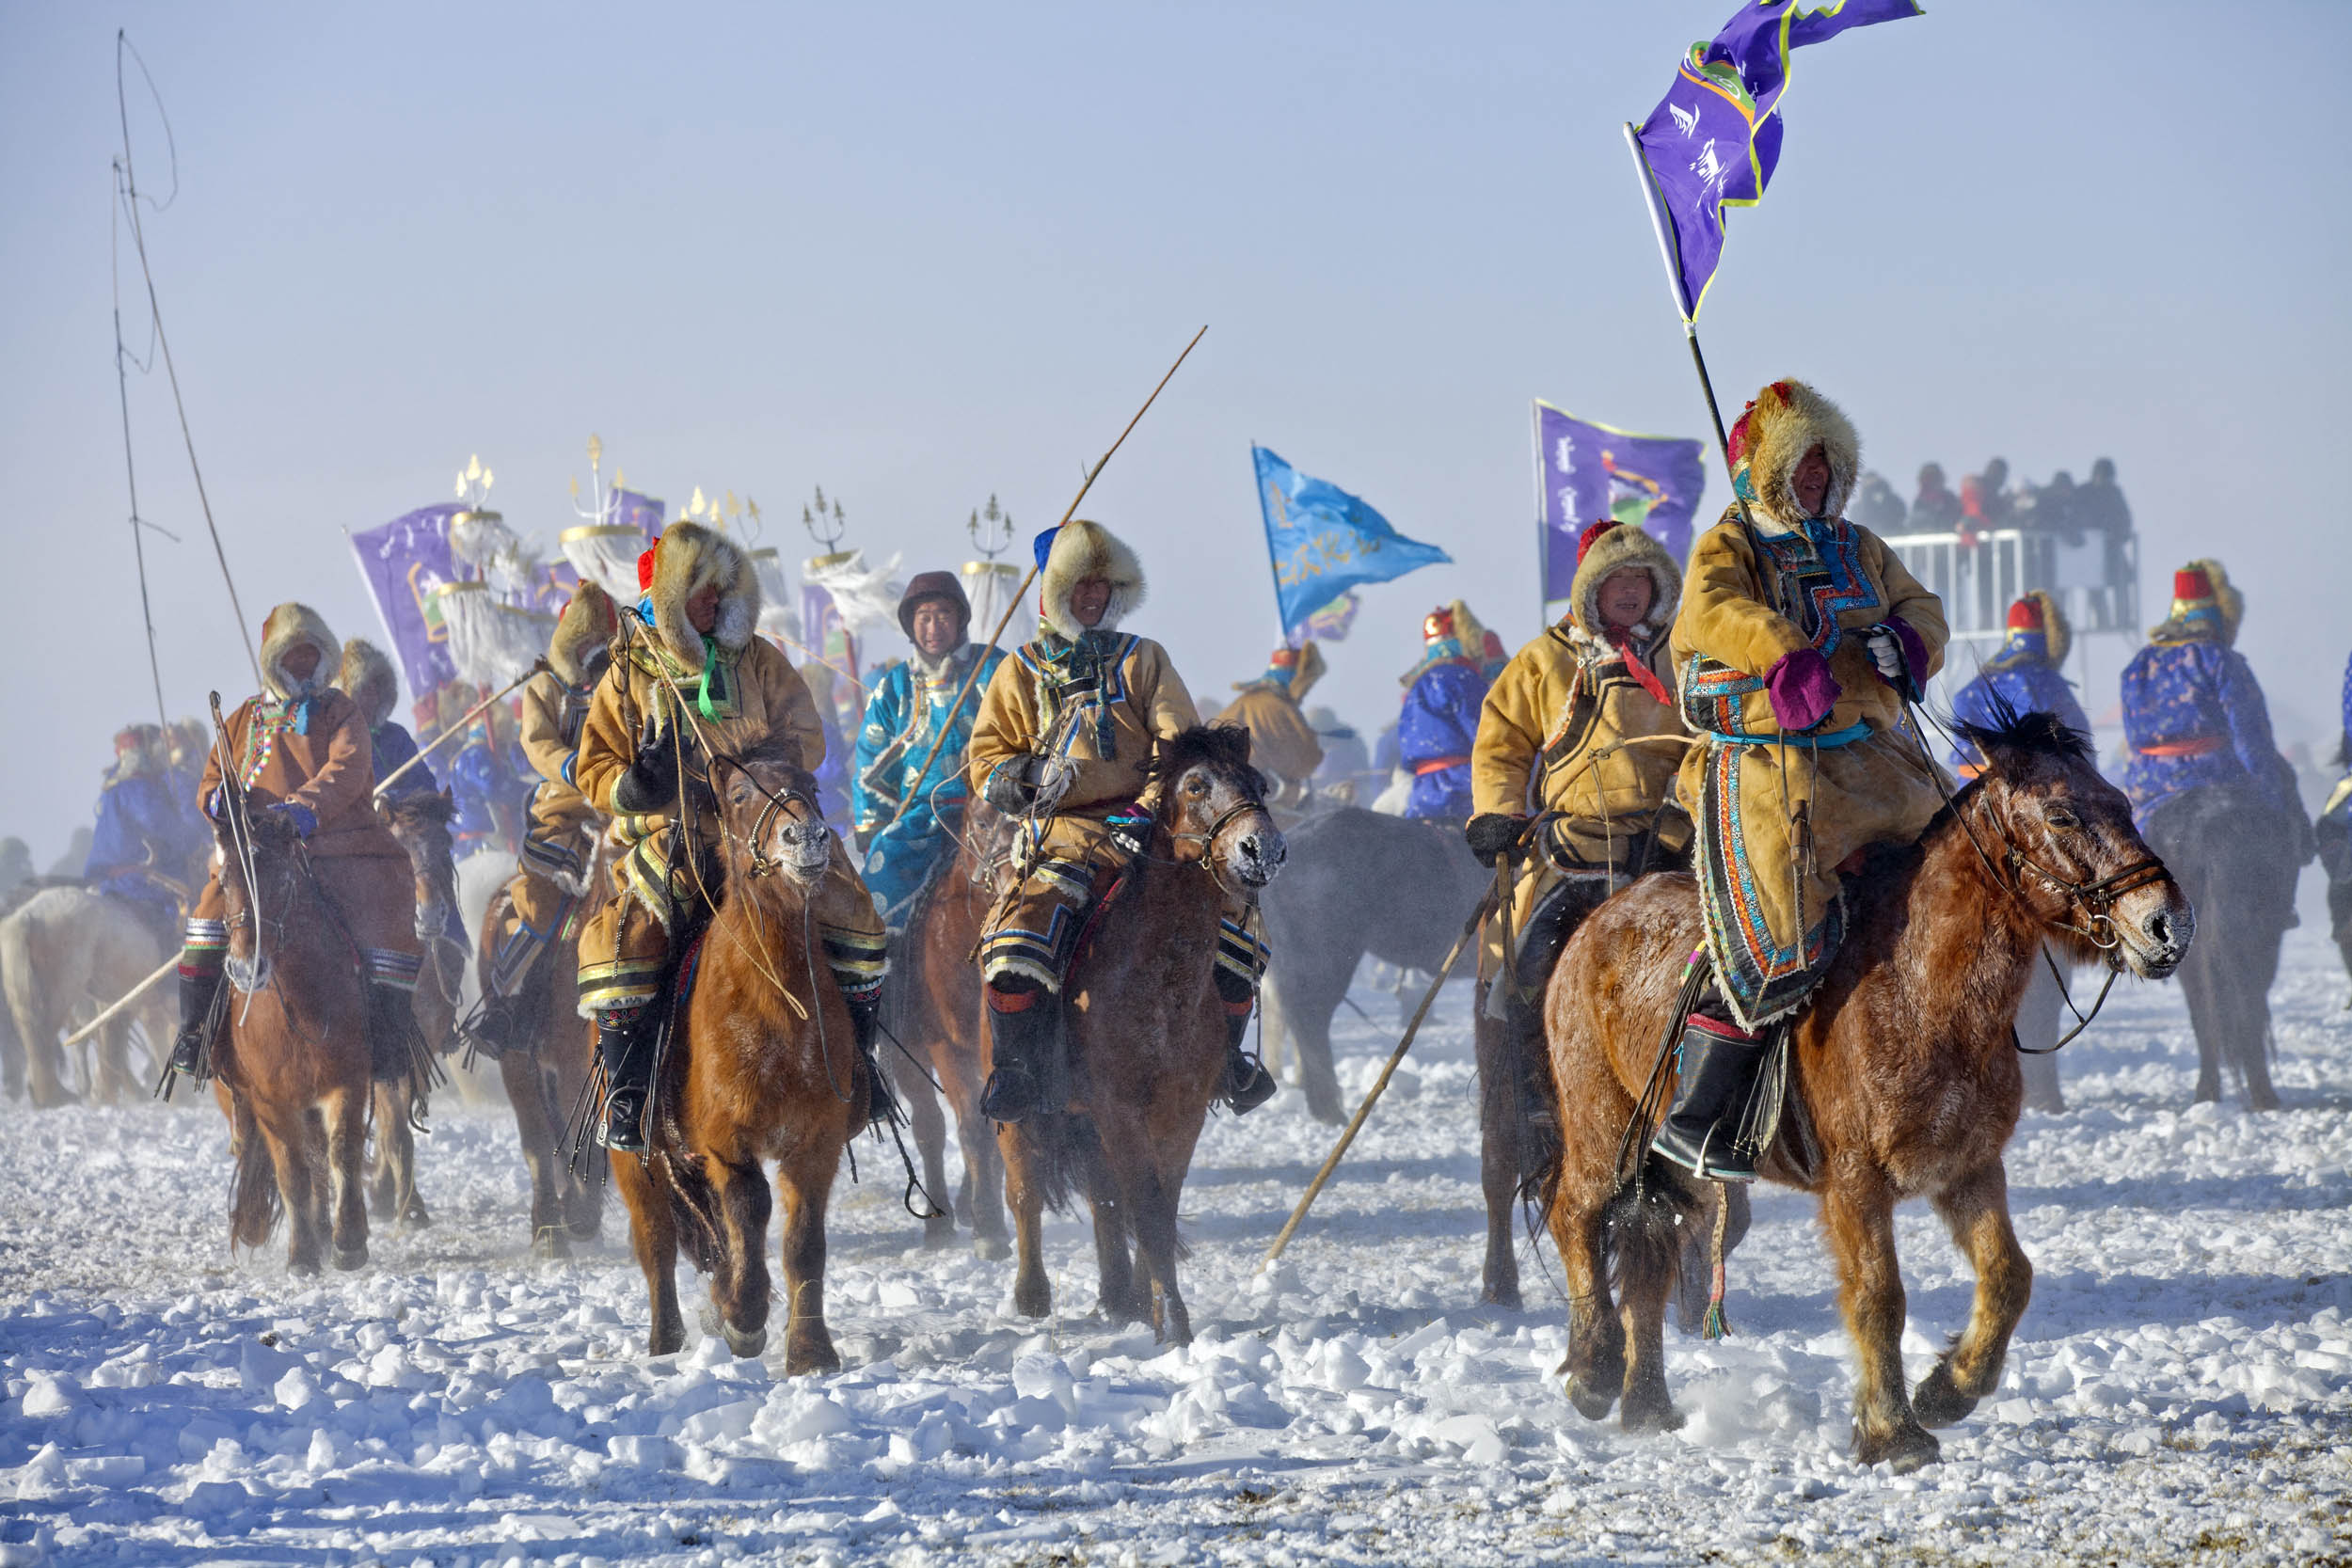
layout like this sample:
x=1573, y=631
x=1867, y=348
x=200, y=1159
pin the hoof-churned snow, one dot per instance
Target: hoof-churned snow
x=2180, y=1392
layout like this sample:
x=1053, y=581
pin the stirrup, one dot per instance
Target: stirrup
x=1248, y=1083
x=624, y=1121
x=1714, y=1160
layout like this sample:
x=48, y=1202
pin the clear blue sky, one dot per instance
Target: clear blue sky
x=919, y=254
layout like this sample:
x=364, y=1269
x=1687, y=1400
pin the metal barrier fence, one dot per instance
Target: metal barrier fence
x=2096, y=576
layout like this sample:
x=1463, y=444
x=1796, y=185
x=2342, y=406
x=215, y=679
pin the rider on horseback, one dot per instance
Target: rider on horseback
x=307, y=745
x=1581, y=727
x=690, y=681
x=368, y=676
x=1440, y=722
x=146, y=838
x=906, y=825
x=551, y=873
x=1282, y=744
x=2024, y=678
x=1063, y=734
x=1799, y=641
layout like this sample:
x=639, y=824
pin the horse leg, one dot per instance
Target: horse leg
x=2252, y=1041
x=535, y=1130
x=392, y=1179
x=346, y=1114
x=653, y=1236
x=1311, y=994
x=1025, y=1189
x=1975, y=1211
x=2202, y=984
x=112, y=1080
x=1858, y=1211
x=290, y=1157
x=739, y=1286
x=1499, y=1119
x=1134, y=1169
x=1640, y=1226
x=804, y=1181
x=984, y=1181
x=930, y=1145
x=1596, y=1359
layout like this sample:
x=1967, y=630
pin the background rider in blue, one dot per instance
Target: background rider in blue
x=2193, y=713
x=2024, y=676
x=146, y=836
x=903, y=717
x=1444, y=694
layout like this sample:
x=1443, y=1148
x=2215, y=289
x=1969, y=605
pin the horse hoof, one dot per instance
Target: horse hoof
x=549, y=1247
x=667, y=1342
x=1505, y=1297
x=1906, y=1448
x=2264, y=1098
x=747, y=1343
x=990, y=1249
x=1938, y=1402
x=1592, y=1400
x=304, y=1269
x=1033, y=1303
x=939, y=1235
x=1656, y=1414
x=416, y=1216
x=348, y=1258
x=810, y=1353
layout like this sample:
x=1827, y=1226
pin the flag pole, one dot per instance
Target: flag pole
x=1273, y=567
x=1543, y=534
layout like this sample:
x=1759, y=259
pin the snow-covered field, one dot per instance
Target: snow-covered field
x=2181, y=1390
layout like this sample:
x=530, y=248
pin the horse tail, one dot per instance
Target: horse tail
x=693, y=1207
x=1640, y=1244
x=254, y=1203
x=17, y=970
x=1064, y=1155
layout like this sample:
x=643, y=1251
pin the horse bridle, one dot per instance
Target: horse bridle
x=1208, y=836
x=773, y=805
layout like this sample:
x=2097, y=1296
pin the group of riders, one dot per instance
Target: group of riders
x=1749, y=716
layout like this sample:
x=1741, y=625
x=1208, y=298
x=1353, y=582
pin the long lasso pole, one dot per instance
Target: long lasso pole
x=451, y=731
x=947, y=726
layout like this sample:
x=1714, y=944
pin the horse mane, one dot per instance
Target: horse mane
x=423, y=806
x=2030, y=732
x=1221, y=748
x=775, y=754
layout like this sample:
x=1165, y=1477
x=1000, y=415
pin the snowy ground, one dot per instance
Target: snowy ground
x=2180, y=1389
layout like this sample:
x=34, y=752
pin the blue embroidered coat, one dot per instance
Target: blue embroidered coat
x=2021, y=676
x=902, y=721
x=393, y=746
x=1435, y=732
x=2197, y=704
x=143, y=826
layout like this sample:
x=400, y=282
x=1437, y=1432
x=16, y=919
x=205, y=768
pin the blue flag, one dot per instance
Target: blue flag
x=1587, y=471
x=1714, y=140
x=1325, y=542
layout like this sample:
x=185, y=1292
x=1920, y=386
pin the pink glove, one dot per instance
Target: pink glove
x=1802, y=688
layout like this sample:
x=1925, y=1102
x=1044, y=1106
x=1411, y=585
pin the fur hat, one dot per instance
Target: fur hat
x=286, y=628
x=1079, y=550
x=1608, y=547
x=1786, y=420
x=2039, y=611
x=2227, y=598
x=687, y=559
x=925, y=586
x=582, y=632
x=367, y=678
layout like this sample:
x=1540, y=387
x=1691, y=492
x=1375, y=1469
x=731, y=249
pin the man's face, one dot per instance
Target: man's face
x=1811, y=480
x=1624, y=595
x=301, y=662
x=1089, y=599
x=702, y=607
x=937, y=628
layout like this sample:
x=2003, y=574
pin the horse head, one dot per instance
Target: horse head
x=259, y=856
x=2070, y=852
x=1212, y=804
x=768, y=802
x=421, y=824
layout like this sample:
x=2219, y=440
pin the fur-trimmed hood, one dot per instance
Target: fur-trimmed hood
x=1612, y=550
x=685, y=559
x=2232, y=603
x=367, y=678
x=582, y=634
x=1080, y=550
x=286, y=628
x=1780, y=426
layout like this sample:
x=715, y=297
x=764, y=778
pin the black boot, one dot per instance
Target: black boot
x=865, y=1022
x=199, y=992
x=1021, y=1037
x=392, y=1027
x=1248, y=1083
x=627, y=1054
x=1719, y=1067
x=489, y=1030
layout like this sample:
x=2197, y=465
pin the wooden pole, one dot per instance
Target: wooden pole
x=948, y=727
x=450, y=732
x=116, y=1008
x=1470, y=930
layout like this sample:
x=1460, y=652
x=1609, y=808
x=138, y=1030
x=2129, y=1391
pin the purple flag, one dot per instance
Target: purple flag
x=1329, y=624
x=404, y=562
x=1715, y=138
x=1587, y=471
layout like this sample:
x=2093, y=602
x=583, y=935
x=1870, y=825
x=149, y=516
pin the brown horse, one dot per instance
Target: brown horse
x=291, y=1061
x=421, y=824
x=937, y=1016
x=1905, y=1081
x=1147, y=1036
x=761, y=1065
x=546, y=1073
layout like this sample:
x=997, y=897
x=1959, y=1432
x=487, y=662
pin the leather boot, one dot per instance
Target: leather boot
x=1020, y=1030
x=200, y=990
x=1719, y=1067
x=1248, y=1083
x=489, y=1030
x=866, y=1023
x=627, y=1054
x=392, y=1025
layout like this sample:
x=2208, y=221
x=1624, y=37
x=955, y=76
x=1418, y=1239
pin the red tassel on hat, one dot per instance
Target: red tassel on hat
x=2191, y=583
x=644, y=568
x=2025, y=615
x=1584, y=540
